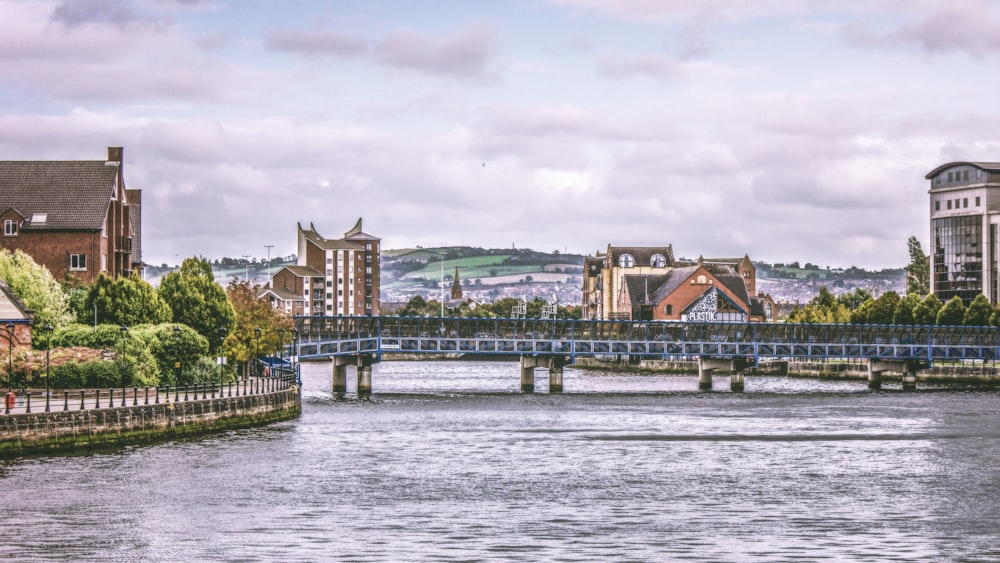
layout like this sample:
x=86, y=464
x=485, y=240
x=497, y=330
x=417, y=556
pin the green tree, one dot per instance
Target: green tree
x=926, y=313
x=978, y=313
x=918, y=272
x=883, y=308
x=245, y=340
x=903, y=315
x=854, y=299
x=37, y=289
x=127, y=301
x=197, y=300
x=824, y=308
x=953, y=312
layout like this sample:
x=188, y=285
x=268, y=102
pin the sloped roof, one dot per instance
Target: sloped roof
x=329, y=244
x=303, y=271
x=642, y=289
x=281, y=293
x=74, y=195
x=674, y=279
x=11, y=307
x=736, y=286
x=357, y=234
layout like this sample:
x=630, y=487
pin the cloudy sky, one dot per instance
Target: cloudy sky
x=782, y=129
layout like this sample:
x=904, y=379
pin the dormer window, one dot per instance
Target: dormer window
x=9, y=228
x=39, y=218
x=626, y=261
x=658, y=261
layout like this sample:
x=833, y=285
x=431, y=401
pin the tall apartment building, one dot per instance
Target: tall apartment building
x=965, y=230
x=74, y=217
x=333, y=276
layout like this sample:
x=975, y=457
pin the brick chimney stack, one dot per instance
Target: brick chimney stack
x=115, y=155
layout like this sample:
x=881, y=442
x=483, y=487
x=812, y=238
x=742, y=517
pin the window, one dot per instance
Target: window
x=329, y=295
x=658, y=261
x=950, y=177
x=329, y=283
x=9, y=228
x=668, y=310
x=949, y=204
x=965, y=202
x=937, y=206
x=340, y=292
x=104, y=262
x=626, y=261
x=77, y=262
x=965, y=175
x=977, y=201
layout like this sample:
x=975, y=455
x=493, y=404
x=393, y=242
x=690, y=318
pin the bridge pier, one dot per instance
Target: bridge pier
x=340, y=364
x=735, y=367
x=907, y=368
x=553, y=363
x=364, y=377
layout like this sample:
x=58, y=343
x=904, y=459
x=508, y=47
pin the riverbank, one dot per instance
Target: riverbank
x=82, y=430
x=856, y=370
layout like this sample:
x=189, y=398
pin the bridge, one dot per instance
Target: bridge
x=555, y=343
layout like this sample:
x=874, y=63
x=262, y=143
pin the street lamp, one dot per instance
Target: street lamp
x=281, y=344
x=222, y=340
x=177, y=355
x=256, y=348
x=48, y=347
x=124, y=330
x=10, y=356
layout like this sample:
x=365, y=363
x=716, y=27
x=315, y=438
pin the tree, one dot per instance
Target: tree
x=918, y=272
x=882, y=309
x=244, y=341
x=854, y=299
x=926, y=312
x=903, y=315
x=127, y=301
x=978, y=313
x=824, y=308
x=34, y=285
x=953, y=312
x=197, y=301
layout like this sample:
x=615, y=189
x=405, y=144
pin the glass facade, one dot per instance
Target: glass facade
x=958, y=257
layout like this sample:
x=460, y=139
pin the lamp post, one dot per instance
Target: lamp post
x=256, y=348
x=177, y=355
x=48, y=347
x=222, y=341
x=281, y=344
x=295, y=349
x=124, y=331
x=10, y=356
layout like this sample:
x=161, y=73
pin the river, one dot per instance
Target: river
x=450, y=462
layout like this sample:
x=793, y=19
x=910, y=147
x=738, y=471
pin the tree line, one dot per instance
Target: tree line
x=124, y=331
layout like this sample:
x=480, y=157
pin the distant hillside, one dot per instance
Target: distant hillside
x=490, y=274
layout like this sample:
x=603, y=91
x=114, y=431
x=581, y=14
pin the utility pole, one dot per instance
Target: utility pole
x=268, y=247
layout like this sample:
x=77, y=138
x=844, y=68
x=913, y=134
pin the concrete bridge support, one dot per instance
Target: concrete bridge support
x=908, y=369
x=364, y=377
x=340, y=364
x=735, y=366
x=553, y=363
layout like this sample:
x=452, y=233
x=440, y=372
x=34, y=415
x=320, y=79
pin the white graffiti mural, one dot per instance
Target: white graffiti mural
x=706, y=309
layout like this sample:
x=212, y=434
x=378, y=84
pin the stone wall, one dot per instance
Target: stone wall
x=63, y=431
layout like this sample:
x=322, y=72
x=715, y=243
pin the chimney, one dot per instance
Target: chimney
x=115, y=155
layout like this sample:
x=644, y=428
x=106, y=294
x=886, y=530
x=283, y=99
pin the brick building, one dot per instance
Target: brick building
x=76, y=218
x=647, y=283
x=15, y=324
x=332, y=277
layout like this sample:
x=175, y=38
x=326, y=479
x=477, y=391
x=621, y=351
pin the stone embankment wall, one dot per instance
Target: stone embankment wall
x=955, y=373
x=64, y=431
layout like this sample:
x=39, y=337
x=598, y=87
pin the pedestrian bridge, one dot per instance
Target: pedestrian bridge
x=553, y=343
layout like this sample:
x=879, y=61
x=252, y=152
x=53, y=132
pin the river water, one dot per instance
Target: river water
x=450, y=462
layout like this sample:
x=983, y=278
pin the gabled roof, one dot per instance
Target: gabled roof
x=302, y=271
x=674, y=279
x=985, y=166
x=12, y=309
x=736, y=286
x=642, y=289
x=281, y=293
x=328, y=244
x=72, y=195
x=357, y=234
x=742, y=307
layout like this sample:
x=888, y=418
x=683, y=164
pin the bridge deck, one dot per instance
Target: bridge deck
x=339, y=336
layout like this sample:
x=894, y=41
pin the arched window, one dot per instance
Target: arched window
x=658, y=261
x=626, y=261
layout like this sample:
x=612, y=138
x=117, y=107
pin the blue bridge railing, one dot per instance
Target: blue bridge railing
x=321, y=337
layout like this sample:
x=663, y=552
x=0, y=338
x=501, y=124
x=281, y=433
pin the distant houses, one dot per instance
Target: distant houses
x=648, y=283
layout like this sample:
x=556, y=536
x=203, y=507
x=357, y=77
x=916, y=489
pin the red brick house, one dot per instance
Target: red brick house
x=76, y=218
x=700, y=293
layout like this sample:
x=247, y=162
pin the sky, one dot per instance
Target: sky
x=781, y=129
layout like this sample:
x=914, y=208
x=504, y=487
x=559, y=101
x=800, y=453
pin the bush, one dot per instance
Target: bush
x=91, y=374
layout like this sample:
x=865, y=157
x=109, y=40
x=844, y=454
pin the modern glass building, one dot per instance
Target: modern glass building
x=965, y=219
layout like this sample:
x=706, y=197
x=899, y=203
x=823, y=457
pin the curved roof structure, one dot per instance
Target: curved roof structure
x=984, y=166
